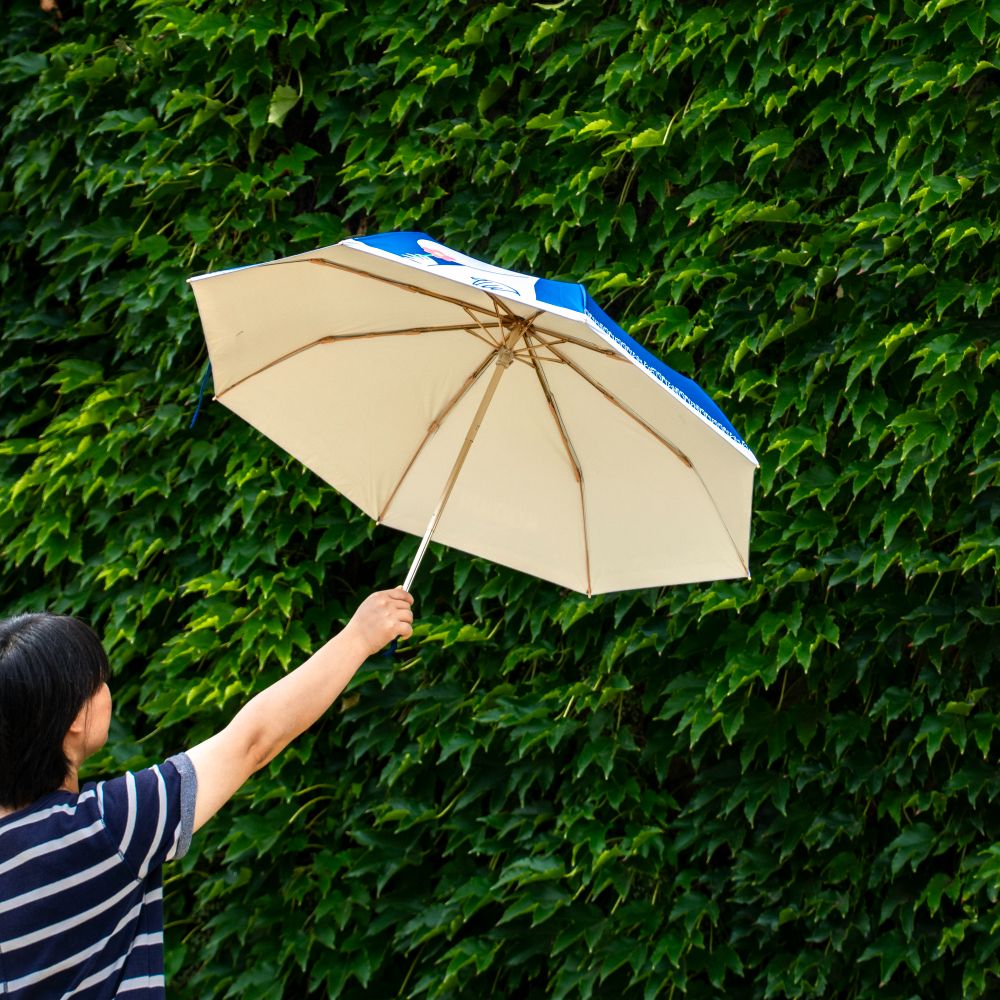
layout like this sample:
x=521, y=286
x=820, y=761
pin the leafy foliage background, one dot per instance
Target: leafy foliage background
x=784, y=787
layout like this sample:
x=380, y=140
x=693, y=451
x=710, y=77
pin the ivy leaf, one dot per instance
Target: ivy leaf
x=283, y=99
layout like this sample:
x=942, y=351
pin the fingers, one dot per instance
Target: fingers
x=403, y=623
x=396, y=601
x=403, y=614
x=397, y=604
x=403, y=601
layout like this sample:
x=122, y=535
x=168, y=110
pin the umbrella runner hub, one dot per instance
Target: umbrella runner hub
x=505, y=357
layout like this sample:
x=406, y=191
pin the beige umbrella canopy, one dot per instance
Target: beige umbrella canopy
x=505, y=415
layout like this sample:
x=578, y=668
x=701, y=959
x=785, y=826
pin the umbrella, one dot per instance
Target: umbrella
x=505, y=415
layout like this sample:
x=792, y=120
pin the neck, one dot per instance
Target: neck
x=75, y=754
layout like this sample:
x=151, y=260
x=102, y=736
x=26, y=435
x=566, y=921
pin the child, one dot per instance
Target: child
x=81, y=897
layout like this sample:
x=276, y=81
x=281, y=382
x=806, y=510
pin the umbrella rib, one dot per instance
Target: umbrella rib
x=433, y=427
x=485, y=340
x=335, y=338
x=527, y=323
x=722, y=521
x=628, y=411
x=563, y=338
x=570, y=451
x=499, y=304
x=482, y=327
x=496, y=309
x=368, y=275
x=659, y=437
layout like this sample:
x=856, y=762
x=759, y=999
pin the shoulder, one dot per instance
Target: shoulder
x=162, y=782
x=144, y=813
x=48, y=836
x=55, y=813
x=148, y=812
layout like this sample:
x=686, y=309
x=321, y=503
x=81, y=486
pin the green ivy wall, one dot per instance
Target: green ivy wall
x=783, y=787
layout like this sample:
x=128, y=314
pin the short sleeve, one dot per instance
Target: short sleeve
x=149, y=814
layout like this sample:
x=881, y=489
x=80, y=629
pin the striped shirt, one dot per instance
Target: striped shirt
x=81, y=885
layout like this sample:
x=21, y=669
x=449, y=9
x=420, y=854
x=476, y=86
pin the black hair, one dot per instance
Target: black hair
x=50, y=666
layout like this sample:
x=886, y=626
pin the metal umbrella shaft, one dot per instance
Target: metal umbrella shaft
x=504, y=357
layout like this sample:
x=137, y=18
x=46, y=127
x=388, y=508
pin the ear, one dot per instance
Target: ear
x=79, y=725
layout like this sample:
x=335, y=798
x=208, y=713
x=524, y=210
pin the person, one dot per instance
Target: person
x=81, y=888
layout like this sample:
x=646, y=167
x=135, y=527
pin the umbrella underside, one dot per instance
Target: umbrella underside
x=509, y=422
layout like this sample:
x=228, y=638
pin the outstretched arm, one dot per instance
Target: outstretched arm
x=276, y=716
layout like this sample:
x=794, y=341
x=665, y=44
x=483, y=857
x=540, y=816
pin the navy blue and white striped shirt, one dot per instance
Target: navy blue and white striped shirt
x=81, y=885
